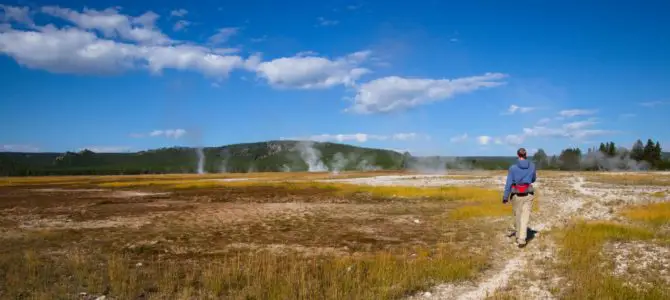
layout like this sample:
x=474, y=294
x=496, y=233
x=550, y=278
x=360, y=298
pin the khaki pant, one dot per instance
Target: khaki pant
x=521, y=206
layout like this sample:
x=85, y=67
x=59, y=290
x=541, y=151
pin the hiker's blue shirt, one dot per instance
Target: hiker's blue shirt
x=521, y=172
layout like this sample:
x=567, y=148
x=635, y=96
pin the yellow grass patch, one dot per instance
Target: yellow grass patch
x=584, y=267
x=660, y=194
x=11, y=181
x=443, y=193
x=491, y=207
x=257, y=275
x=655, y=214
x=641, y=178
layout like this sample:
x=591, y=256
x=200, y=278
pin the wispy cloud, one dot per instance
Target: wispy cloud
x=484, y=139
x=576, y=131
x=181, y=25
x=325, y=22
x=168, y=133
x=223, y=35
x=259, y=39
x=107, y=149
x=18, y=148
x=361, y=137
x=569, y=113
x=544, y=121
x=178, y=12
x=652, y=103
x=459, y=138
x=518, y=109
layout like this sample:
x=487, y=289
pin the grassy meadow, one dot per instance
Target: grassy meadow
x=273, y=236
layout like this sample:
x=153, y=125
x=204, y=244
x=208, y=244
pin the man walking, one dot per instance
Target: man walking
x=519, y=189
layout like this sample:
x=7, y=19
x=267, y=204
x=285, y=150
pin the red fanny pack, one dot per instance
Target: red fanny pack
x=521, y=188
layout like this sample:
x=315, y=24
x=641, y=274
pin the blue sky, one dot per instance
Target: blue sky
x=430, y=77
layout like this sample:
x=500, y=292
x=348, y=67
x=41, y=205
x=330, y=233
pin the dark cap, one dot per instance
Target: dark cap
x=521, y=152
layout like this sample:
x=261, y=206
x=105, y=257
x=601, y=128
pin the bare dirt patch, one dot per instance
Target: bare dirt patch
x=639, y=263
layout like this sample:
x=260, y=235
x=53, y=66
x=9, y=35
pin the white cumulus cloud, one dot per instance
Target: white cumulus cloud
x=17, y=14
x=80, y=50
x=306, y=71
x=112, y=24
x=395, y=93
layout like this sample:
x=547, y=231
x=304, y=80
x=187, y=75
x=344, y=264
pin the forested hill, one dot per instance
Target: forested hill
x=262, y=156
x=286, y=156
x=267, y=156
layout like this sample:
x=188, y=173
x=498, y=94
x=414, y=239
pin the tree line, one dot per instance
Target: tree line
x=607, y=156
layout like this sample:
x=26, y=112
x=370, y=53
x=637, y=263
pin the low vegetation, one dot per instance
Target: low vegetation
x=165, y=237
x=656, y=214
x=590, y=272
x=590, y=275
x=248, y=275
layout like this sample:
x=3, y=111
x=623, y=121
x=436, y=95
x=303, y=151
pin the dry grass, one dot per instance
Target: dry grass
x=657, y=214
x=261, y=275
x=342, y=189
x=630, y=179
x=660, y=194
x=590, y=275
x=581, y=247
x=489, y=207
x=43, y=180
x=236, y=240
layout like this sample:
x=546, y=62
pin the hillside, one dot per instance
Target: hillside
x=262, y=156
x=269, y=156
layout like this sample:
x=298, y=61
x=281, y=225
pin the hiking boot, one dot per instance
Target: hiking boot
x=521, y=245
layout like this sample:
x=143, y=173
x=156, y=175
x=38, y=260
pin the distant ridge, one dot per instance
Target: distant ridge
x=266, y=156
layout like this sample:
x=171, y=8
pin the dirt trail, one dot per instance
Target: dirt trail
x=521, y=272
x=560, y=199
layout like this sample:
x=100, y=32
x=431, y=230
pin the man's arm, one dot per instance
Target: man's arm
x=508, y=186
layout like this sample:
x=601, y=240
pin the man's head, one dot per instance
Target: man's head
x=521, y=153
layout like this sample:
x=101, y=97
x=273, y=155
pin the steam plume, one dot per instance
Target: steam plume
x=201, y=160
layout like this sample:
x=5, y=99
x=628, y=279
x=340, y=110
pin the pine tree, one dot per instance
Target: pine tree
x=637, y=152
x=602, y=148
x=649, y=151
x=540, y=159
x=658, y=152
x=611, y=149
